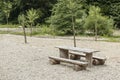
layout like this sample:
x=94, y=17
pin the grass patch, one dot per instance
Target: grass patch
x=112, y=38
x=46, y=31
x=107, y=39
x=9, y=26
x=15, y=33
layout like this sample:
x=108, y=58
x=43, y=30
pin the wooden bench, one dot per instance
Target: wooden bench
x=78, y=65
x=64, y=52
x=96, y=60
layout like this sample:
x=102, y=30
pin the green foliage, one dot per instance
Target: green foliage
x=9, y=26
x=6, y=8
x=115, y=12
x=20, y=6
x=104, y=24
x=109, y=8
x=32, y=15
x=46, y=30
x=62, y=14
x=22, y=19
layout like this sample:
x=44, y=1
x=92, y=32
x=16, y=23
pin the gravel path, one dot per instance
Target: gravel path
x=19, y=61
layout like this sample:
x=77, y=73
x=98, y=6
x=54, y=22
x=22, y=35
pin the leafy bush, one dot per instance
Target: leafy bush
x=42, y=30
x=94, y=20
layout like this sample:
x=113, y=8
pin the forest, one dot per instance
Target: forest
x=60, y=17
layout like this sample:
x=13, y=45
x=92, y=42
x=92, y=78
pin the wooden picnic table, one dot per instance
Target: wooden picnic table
x=64, y=52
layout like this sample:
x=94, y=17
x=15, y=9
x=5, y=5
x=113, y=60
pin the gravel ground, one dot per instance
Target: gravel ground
x=19, y=61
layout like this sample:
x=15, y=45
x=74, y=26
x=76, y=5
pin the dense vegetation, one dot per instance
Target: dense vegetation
x=97, y=17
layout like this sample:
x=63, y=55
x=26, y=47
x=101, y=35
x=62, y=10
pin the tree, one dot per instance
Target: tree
x=115, y=13
x=21, y=6
x=6, y=8
x=65, y=14
x=95, y=22
x=32, y=15
x=22, y=21
x=109, y=8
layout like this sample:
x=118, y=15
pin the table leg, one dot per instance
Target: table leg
x=89, y=59
x=63, y=53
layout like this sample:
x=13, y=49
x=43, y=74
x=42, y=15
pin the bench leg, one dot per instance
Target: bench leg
x=63, y=53
x=89, y=59
x=102, y=62
x=52, y=61
x=98, y=62
x=78, y=67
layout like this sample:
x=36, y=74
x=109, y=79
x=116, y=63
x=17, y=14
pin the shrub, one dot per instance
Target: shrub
x=94, y=20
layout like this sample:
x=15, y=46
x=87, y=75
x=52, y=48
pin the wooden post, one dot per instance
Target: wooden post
x=63, y=53
x=89, y=59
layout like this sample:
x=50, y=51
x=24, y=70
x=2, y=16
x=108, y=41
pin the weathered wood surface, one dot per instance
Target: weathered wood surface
x=96, y=60
x=63, y=53
x=78, y=65
x=52, y=61
x=74, y=57
x=84, y=50
x=89, y=59
x=69, y=61
x=82, y=55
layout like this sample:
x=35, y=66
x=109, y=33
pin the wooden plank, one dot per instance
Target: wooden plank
x=83, y=55
x=84, y=50
x=96, y=60
x=69, y=61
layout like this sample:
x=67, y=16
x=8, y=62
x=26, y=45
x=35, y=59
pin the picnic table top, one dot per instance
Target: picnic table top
x=77, y=49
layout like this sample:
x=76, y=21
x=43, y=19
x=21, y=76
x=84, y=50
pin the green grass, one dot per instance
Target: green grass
x=112, y=39
x=48, y=31
x=107, y=39
x=3, y=32
x=9, y=26
x=15, y=33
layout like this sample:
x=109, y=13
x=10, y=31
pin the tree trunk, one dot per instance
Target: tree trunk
x=73, y=26
x=31, y=30
x=7, y=24
x=24, y=34
x=7, y=20
x=95, y=28
x=96, y=31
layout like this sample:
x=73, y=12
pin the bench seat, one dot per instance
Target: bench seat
x=96, y=60
x=78, y=65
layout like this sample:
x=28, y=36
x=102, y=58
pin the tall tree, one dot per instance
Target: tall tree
x=64, y=16
x=32, y=15
x=115, y=13
x=20, y=6
x=98, y=24
x=6, y=9
x=22, y=22
x=109, y=8
x=44, y=6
